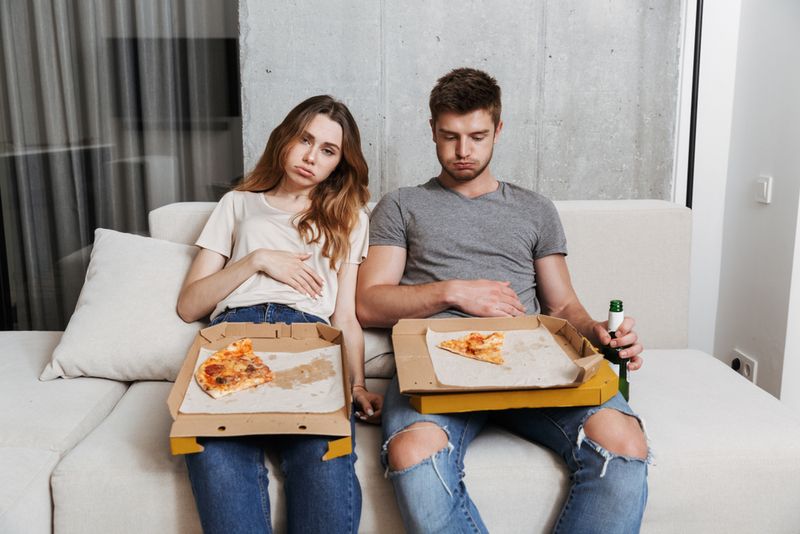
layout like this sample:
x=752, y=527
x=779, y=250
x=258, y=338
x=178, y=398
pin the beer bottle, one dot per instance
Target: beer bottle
x=615, y=318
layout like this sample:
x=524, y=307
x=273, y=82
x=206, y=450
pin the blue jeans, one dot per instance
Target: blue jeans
x=229, y=478
x=608, y=492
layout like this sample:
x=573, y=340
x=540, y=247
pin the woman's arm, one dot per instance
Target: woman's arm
x=209, y=280
x=368, y=404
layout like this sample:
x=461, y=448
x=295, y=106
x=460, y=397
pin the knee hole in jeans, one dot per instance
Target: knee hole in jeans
x=617, y=432
x=414, y=444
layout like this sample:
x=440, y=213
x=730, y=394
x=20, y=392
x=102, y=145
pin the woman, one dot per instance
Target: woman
x=284, y=246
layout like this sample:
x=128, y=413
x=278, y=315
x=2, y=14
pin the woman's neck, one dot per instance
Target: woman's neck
x=285, y=199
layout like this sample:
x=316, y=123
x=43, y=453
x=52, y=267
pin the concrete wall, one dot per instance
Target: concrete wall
x=758, y=246
x=589, y=88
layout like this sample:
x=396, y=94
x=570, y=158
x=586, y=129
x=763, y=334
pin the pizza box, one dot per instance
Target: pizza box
x=279, y=337
x=594, y=384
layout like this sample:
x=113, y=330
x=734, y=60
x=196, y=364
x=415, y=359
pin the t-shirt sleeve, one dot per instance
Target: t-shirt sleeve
x=551, y=238
x=359, y=239
x=218, y=233
x=386, y=225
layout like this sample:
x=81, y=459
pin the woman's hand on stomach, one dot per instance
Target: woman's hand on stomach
x=291, y=269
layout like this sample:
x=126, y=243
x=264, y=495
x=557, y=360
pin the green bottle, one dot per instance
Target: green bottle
x=615, y=318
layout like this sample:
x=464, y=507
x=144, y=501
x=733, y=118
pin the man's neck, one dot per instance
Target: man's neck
x=480, y=185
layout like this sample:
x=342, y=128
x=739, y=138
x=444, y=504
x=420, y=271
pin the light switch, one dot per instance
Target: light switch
x=764, y=189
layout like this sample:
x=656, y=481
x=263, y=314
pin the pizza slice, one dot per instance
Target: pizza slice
x=485, y=348
x=234, y=368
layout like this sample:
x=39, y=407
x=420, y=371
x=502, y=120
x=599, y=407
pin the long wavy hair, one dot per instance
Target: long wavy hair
x=337, y=200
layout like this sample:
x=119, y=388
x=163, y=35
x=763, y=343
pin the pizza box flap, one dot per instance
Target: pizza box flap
x=415, y=369
x=278, y=337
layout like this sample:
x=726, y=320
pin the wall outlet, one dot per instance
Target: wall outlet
x=745, y=365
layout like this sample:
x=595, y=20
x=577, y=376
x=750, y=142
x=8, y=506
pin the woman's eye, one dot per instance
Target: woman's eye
x=305, y=141
x=328, y=151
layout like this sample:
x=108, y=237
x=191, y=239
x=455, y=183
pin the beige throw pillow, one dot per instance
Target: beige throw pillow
x=125, y=326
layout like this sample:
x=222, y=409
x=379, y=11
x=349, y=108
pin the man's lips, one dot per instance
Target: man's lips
x=463, y=165
x=303, y=171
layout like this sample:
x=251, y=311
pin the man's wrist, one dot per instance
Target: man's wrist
x=448, y=294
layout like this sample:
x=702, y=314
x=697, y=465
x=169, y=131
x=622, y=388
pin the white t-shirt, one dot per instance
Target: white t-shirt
x=243, y=222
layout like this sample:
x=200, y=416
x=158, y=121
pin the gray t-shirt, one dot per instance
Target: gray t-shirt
x=448, y=236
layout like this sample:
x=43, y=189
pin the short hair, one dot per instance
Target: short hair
x=465, y=90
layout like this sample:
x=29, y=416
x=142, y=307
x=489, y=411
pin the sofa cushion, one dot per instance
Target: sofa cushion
x=53, y=415
x=378, y=353
x=125, y=326
x=25, y=491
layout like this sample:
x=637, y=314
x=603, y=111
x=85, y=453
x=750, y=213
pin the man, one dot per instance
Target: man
x=466, y=244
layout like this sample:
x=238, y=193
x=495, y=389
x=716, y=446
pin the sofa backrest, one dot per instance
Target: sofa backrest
x=634, y=250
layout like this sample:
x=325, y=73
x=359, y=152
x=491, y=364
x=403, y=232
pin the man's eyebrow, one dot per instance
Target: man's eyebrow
x=445, y=131
x=309, y=135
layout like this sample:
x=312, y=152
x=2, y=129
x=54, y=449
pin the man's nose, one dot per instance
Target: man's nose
x=462, y=147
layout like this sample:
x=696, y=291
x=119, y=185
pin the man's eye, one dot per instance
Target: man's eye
x=478, y=137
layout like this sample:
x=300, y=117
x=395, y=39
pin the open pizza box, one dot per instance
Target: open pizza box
x=441, y=382
x=287, y=350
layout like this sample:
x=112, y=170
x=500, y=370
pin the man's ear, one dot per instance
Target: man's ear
x=433, y=129
x=497, y=130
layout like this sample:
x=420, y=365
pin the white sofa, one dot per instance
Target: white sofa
x=89, y=455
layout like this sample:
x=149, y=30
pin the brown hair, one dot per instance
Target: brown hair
x=465, y=90
x=336, y=201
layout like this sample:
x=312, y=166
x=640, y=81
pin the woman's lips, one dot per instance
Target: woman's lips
x=305, y=172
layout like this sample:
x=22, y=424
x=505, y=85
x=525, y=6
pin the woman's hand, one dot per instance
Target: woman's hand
x=368, y=404
x=291, y=269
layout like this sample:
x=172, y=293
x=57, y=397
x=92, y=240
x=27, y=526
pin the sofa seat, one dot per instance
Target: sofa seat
x=40, y=422
x=123, y=478
x=722, y=448
x=25, y=492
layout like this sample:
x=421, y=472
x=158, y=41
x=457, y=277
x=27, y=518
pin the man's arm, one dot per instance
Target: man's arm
x=557, y=298
x=381, y=301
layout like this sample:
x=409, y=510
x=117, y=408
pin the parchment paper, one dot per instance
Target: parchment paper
x=532, y=358
x=305, y=382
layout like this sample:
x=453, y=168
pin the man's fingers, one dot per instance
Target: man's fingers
x=635, y=362
x=623, y=341
x=632, y=351
x=512, y=301
x=627, y=325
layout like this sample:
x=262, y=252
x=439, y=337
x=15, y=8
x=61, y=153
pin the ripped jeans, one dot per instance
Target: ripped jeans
x=607, y=494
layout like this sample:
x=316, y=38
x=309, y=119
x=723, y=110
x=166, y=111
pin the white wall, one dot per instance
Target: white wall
x=758, y=244
x=715, y=105
x=790, y=378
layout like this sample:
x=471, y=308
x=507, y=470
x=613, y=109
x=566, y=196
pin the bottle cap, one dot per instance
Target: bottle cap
x=615, y=306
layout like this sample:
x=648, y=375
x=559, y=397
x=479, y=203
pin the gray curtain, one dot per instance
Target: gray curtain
x=108, y=109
